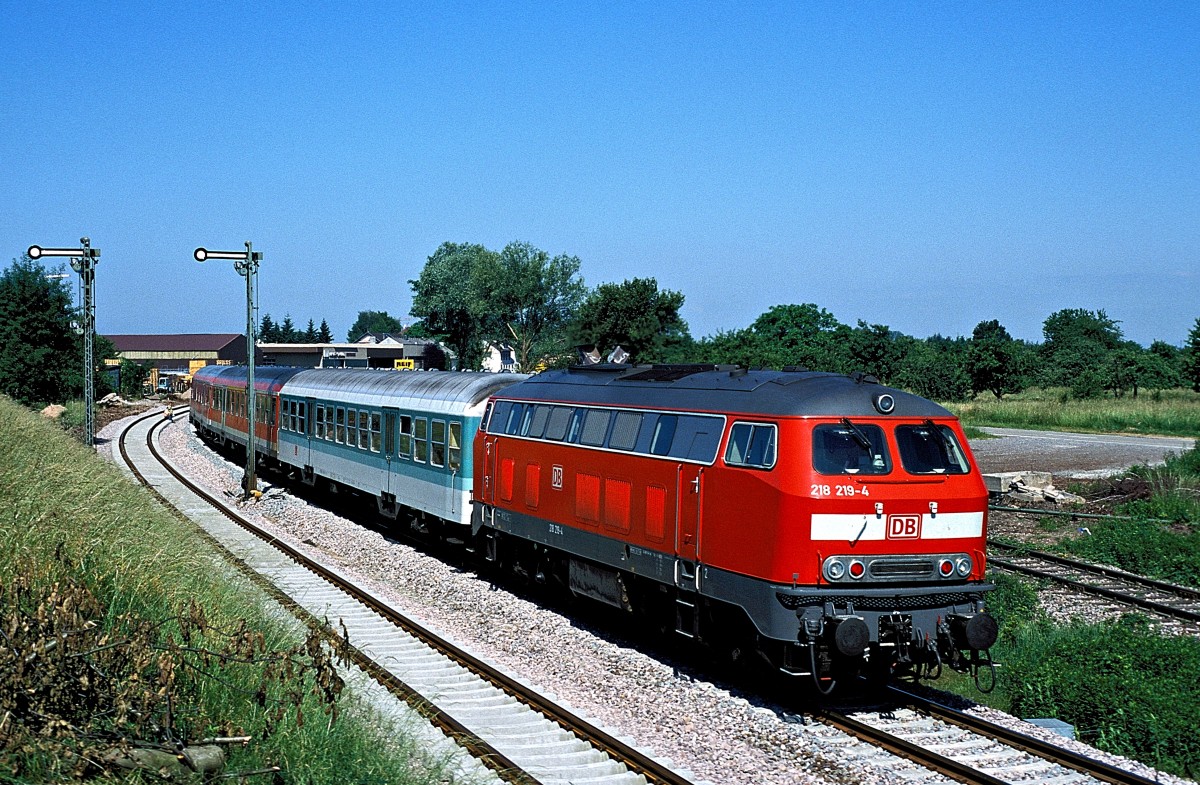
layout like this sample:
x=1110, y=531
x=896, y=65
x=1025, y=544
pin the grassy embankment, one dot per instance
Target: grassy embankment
x=1168, y=413
x=121, y=624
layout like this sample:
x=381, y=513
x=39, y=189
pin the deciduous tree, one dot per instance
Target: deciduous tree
x=995, y=361
x=40, y=354
x=373, y=322
x=446, y=302
x=635, y=315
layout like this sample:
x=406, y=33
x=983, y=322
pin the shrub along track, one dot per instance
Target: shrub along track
x=520, y=735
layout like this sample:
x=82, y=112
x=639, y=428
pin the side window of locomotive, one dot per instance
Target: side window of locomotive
x=406, y=434
x=536, y=424
x=486, y=420
x=697, y=438
x=930, y=449
x=576, y=426
x=498, y=421
x=515, y=415
x=421, y=439
x=751, y=445
x=455, y=445
x=595, y=427
x=846, y=449
x=625, y=430
x=664, y=434
x=556, y=425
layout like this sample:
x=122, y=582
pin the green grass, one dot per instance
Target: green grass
x=1169, y=413
x=79, y=542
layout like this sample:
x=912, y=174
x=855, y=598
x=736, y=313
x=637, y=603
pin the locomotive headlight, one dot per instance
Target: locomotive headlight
x=964, y=566
x=857, y=569
x=885, y=403
x=834, y=570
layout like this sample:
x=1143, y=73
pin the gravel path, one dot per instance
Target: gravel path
x=718, y=735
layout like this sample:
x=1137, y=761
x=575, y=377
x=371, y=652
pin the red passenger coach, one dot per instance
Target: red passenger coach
x=218, y=408
x=831, y=524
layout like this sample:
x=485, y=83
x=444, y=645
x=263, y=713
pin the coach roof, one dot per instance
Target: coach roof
x=723, y=389
x=435, y=391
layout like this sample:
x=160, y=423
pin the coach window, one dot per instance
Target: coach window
x=406, y=430
x=437, y=443
x=301, y=416
x=340, y=436
x=455, y=445
x=930, y=449
x=421, y=439
x=751, y=445
x=373, y=424
x=352, y=427
x=328, y=423
x=850, y=448
x=319, y=421
x=364, y=430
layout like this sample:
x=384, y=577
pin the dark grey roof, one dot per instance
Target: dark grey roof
x=725, y=389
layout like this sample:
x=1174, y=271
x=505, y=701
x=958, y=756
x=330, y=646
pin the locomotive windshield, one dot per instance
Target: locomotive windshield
x=849, y=448
x=930, y=449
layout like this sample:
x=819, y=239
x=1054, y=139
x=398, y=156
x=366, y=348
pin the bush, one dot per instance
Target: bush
x=1125, y=688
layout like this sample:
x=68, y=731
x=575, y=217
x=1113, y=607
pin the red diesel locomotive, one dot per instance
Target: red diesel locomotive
x=830, y=524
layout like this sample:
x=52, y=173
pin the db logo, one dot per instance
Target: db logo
x=556, y=477
x=903, y=527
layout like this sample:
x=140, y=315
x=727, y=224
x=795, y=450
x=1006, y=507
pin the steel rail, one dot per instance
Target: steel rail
x=1127, y=599
x=906, y=749
x=1043, y=749
x=637, y=761
x=1099, y=569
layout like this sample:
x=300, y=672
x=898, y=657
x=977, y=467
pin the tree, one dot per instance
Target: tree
x=996, y=362
x=287, y=330
x=133, y=376
x=530, y=298
x=802, y=335
x=1191, y=358
x=1076, y=349
x=267, y=331
x=877, y=349
x=40, y=354
x=447, y=303
x=634, y=315
x=324, y=334
x=935, y=369
x=373, y=322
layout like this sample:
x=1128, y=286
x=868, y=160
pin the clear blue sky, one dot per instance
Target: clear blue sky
x=921, y=165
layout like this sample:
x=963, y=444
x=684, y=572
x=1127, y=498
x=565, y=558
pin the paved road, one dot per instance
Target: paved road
x=1071, y=454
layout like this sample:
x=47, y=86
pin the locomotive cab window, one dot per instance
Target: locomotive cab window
x=751, y=445
x=850, y=448
x=930, y=449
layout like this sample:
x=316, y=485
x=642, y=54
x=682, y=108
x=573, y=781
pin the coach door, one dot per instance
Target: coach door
x=688, y=492
x=391, y=417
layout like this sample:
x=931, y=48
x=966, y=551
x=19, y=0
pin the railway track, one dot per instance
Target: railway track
x=970, y=749
x=516, y=733
x=1179, y=604
x=526, y=738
